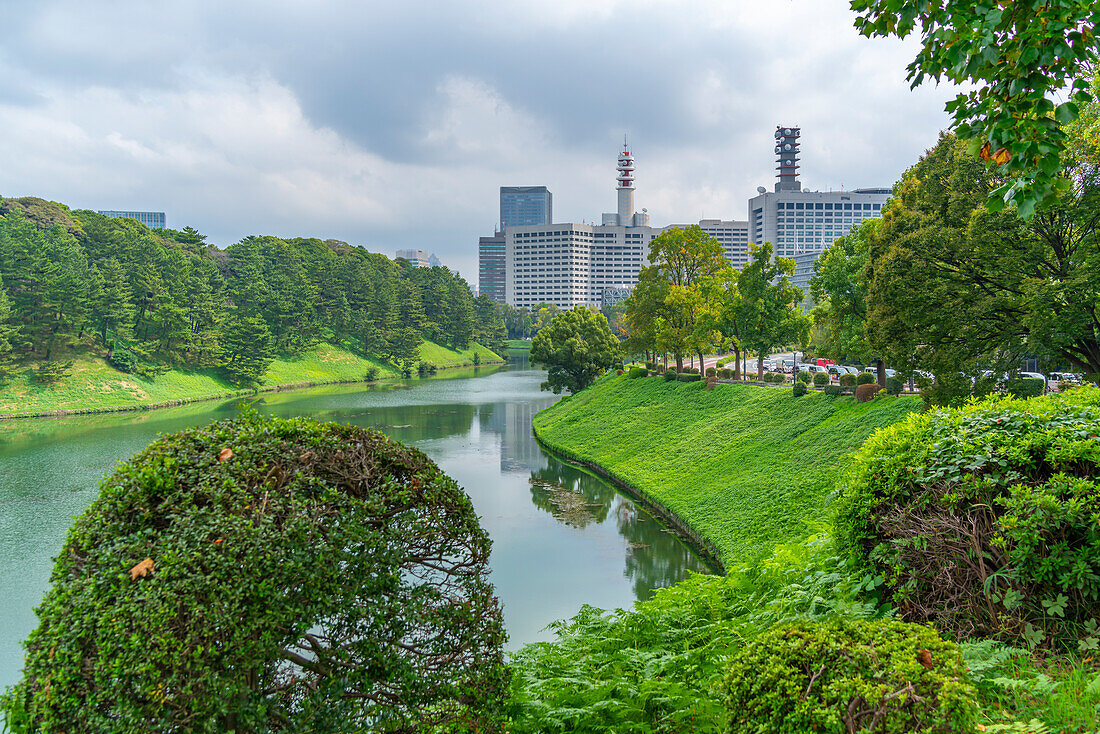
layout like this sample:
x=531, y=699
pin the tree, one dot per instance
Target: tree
x=576, y=348
x=839, y=288
x=247, y=349
x=283, y=575
x=955, y=287
x=7, y=331
x=771, y=316
x=1018, y=56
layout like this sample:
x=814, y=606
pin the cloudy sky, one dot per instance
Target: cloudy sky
x=392, y=124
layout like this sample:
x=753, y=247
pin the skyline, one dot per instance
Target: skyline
x=394, y=127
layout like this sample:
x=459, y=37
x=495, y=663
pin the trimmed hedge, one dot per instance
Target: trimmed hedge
x=867, y=391
x=712, y=371
x=881, y=676
x=636, y=372
x=651, y=366
x=670, y=374
x=847, y=380
x=225, y=572
x=834, y=390
x=800, y=389
x=688, y=377
x=1025, y=387
x=725, y=373
x=893, y=386
x=821, y=379
x=805, y=377
x=982, y=519
x=866, y=378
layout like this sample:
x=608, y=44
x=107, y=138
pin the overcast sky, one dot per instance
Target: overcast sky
x=393, y=124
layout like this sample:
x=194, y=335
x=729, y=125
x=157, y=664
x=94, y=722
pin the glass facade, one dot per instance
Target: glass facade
x=525, y=205
x=152, y=220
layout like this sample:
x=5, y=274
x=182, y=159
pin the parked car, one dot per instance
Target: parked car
x=1071, y=377
x=1035, y=376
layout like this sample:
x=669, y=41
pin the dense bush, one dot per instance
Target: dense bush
x=893, y=386
x=725, y=373
x=651, y=366
x=804, y=376
x=670, y=374
x=123, y=360
x=799, y=389
x=720, y=364
x=847, y=380
x=983, y=519
x=268, y=575
x=1025, y=387
x=950, y=389
x=867, y=391
x=371, y=374
x=636, y=372
x=690, y=371
x=834, y=390
x=821, y=378
x=850, y=676
x=688, y=377
x=779, y=378
x=426, y=368
x=865, y=378
x=712, y=371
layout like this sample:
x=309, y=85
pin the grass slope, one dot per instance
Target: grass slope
x=519, y=343
x=746, y=467
x=96, y=386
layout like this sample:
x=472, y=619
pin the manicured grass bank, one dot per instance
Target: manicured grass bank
x=745, y=467
x=95, y=386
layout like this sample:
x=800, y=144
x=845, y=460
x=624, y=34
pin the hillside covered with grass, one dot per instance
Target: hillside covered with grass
x=746, y=467
x=94, y=385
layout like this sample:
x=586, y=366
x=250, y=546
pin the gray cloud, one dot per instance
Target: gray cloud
x=392, y=124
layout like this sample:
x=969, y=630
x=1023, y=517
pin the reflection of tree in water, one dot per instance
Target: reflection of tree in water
x=413, y=423
x=571, y=495
x=655, y=556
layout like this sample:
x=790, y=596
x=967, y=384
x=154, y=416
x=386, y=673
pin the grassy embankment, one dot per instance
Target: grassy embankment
x=93, y=385
x=745, y=467
x=519, y=343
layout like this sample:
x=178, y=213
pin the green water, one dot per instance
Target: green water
x=561, y=537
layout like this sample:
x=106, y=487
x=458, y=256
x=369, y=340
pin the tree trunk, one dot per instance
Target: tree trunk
x=737, y=363
x=702, y=371
x=881, y=372
x=679, y=363
x=760, y=367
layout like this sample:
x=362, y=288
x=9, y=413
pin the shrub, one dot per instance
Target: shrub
x=834, y=390
x=982, y=519
x=865, y=378
x=867, y=391
x=618, y=372
x=799, y=389
x=426, y=368
x=720, y=364
x=688, y=377
x=847, y=676
x=847, y=380
x=636, y=372
x=53, y=371
x=670, y=374
x=371, y=374
x=712, y=371
x=893, y=386
x=725, y=373
x=123, y=360
x=225, y=571
x=691, y=371
x=1025, y=387
x=947, y=389
x=477, y=359
x=780, y=378
x=805, y=376
x=651, y=366
x=821, y=379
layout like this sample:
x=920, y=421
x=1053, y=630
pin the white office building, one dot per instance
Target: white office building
x=797, y=221
x=573, y=264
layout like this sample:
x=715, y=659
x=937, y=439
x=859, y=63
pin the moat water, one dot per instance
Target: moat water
x=561, y=537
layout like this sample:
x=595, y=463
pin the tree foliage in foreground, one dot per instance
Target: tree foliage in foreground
x=1019, y=56
x=268, y=575
x=576, y=348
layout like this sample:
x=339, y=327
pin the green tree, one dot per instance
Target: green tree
x=1017, y=57
x=8, y=331
x=771, y=313
x=576, y=348
x=247, y=349
x=955, y=287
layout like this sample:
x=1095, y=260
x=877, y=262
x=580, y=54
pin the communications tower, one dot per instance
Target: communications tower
x=626, y=185
x=786, y=158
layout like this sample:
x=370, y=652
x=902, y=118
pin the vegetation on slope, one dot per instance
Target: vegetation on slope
x=94, y=385
x=746, y=467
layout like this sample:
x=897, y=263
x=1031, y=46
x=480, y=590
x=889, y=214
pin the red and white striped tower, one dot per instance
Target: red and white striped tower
x=626, y=186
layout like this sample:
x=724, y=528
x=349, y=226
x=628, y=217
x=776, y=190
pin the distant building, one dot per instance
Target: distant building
x=797, y=221
x=611, y=296
x=571, y=264
x=803, y=271
x=490, y=266
x=732, y=234
x=152, y=220
x=522, y=205
x=417, y=258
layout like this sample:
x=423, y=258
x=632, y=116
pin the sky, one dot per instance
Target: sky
x=393, y=124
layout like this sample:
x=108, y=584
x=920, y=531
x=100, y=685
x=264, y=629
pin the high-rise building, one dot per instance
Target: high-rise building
x=490, y=266
x=521, y=205
x=572, y=264
x=152, y=220
x=417, y=258
x=795, y=220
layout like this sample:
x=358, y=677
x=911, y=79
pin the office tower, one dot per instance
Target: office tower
x=152, y=220
x=521, y=205
x=490, y=270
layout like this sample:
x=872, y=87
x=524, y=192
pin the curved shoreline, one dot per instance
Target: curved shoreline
x=69, y=412
x=703, y=548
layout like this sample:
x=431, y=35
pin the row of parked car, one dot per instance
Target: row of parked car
x=789, y=366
